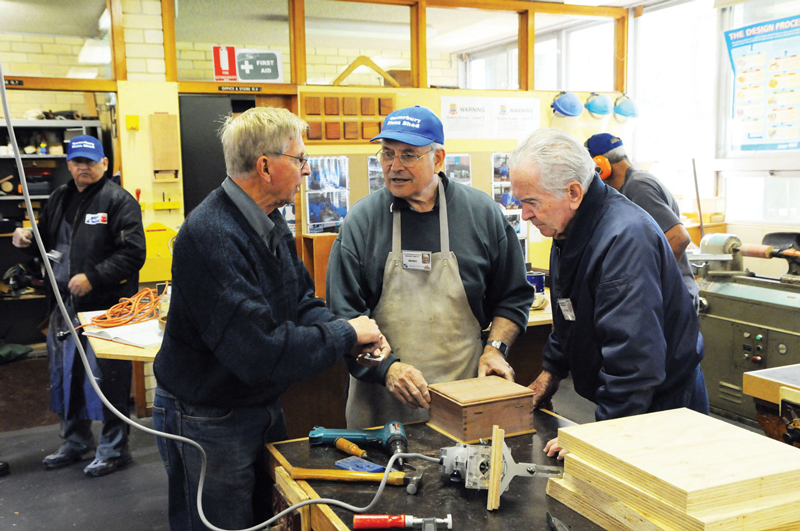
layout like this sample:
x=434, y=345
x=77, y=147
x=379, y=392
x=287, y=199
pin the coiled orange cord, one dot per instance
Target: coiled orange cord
x=137, y=309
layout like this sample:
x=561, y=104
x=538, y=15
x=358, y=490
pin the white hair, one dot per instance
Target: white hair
x=559, y=158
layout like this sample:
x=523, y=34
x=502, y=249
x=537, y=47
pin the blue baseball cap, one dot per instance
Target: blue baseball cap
x=85, y=146
x=416, y=126
x=602, y=143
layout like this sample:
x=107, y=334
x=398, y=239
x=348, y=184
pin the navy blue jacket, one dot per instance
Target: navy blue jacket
x=243, y=323
x=106, y=244
x=634, y=337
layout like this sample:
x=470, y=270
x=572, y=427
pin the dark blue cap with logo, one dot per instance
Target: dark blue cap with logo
x=413, y=125
x=602, y=143
x=85, y=146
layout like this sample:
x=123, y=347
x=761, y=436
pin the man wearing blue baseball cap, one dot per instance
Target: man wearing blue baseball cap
x=650, y=194
x=431, y=314
x=93, y=231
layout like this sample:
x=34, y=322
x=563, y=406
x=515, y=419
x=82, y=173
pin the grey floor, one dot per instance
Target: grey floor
x=134, y=498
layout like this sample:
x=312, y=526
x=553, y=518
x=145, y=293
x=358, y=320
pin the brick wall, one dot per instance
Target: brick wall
x=144, y=40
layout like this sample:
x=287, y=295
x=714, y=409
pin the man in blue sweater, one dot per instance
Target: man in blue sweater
x=624, y=324
x=243, y=326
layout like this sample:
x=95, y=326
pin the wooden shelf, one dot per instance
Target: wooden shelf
x=22, y=298
x=36, y=156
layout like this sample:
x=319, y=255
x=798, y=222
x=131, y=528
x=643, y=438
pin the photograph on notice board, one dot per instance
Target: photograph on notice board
x=458, y=169
x=519, y=225
x=501, y=185
x=375, y=174
x=327, y=209
x=287, y=211
x=327, y=173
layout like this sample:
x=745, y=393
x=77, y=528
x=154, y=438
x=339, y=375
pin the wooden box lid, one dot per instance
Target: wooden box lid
x=480, y=390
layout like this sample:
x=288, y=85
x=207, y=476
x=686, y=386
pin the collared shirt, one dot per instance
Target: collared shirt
x=270, y=229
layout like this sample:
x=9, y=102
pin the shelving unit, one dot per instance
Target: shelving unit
x=28, y=310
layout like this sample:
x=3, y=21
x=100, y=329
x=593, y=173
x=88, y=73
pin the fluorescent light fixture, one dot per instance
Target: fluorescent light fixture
x=95, y=52
x=82, y=72
x=593, y=3
x=360, y=29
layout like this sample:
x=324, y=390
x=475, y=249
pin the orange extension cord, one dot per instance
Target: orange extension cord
x=140, y=308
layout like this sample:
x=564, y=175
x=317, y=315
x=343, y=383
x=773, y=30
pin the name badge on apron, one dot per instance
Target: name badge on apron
x=420, y=260
x=566, y=309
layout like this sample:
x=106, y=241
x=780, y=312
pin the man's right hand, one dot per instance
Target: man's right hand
x=407, y=384
x=544, y=387
x=367, y=332
x=22, y=237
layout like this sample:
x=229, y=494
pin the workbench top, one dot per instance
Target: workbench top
x=523, y=506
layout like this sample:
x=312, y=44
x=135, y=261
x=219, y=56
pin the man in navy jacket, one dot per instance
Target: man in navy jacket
x=624, y=324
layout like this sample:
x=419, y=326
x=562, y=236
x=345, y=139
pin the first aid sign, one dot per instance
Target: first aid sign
x=247, y=65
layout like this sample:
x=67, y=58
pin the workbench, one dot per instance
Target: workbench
x=104, y=348
x=523, y=506
x=764, y=386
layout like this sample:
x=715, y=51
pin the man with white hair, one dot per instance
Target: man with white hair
x=623, y=323
x=243, y=325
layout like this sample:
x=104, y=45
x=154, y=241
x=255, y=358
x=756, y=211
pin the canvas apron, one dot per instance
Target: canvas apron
x=426, y=317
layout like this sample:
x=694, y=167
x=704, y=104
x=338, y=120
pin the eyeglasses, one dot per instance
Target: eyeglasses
x=406, y=159
x=302, y=159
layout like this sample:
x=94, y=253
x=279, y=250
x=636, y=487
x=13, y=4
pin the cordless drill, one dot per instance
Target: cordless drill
x=392, y=438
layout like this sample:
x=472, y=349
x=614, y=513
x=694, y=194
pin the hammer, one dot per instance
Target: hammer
x=412, y=480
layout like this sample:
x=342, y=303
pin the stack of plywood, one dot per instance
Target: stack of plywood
x=678, y=470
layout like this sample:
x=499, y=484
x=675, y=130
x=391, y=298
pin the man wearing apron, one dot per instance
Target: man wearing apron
x=434, y=262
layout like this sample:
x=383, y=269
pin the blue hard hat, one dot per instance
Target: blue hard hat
x=598, y=104
x=624, y=106
x=568, y=104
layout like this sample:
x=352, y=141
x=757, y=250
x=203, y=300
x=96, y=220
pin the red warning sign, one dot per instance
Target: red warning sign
x=224, y=63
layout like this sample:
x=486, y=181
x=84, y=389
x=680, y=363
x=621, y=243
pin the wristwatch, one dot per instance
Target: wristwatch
x=499, y=345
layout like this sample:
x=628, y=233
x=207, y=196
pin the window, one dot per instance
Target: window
x=52, y=38
x=200, y=25
x=590, y=57
x=493, y=68
x=337, y=33
x=674, y=89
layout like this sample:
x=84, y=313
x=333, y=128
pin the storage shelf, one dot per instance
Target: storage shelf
x=21, y=198
x=22, y=298
x=62, y=124
x=37, y=156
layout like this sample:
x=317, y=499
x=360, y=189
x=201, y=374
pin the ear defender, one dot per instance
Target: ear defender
x=603, y=166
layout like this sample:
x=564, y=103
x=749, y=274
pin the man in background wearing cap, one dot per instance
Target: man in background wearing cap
x=432, y=316
x=651, y=195
x=92, y=230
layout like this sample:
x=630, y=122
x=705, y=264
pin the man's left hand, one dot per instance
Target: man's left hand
x=492, y=362
x=79, y=285
x=373, y=354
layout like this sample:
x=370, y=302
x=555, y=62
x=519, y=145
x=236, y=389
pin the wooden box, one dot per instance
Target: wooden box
x=466, y=410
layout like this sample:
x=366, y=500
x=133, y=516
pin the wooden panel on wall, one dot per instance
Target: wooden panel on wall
x=368, y=106
x=351, y=130
x=332, y=106
x=350, y=106
x=333, y=130
x=364, y=112
x=370, y=129
x=315, y=130
x=386, y=106
x=313, y=106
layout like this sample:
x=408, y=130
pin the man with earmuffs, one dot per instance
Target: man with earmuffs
x=649, y=193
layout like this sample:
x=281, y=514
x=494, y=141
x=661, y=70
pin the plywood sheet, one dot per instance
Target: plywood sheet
x=480, y=390
x=689, y=460
x=766, y=383
x=599, y=507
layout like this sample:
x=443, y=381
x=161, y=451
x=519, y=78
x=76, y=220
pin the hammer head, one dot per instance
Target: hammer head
x=413, y=481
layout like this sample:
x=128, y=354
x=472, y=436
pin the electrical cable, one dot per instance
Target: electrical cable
x=73, y=332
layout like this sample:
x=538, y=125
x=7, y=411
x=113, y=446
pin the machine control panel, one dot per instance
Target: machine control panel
x=750, y=349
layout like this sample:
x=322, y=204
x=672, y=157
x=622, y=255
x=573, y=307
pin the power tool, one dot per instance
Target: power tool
x=392, y=438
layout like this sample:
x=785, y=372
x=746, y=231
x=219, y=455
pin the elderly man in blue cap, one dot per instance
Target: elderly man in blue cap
x=650, y=194
x=92, y=229
x=431, y=314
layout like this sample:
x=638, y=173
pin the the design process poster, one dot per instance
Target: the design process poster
x=766, y=89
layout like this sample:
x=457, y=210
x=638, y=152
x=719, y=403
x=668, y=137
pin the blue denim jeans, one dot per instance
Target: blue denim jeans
x=236, y=492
